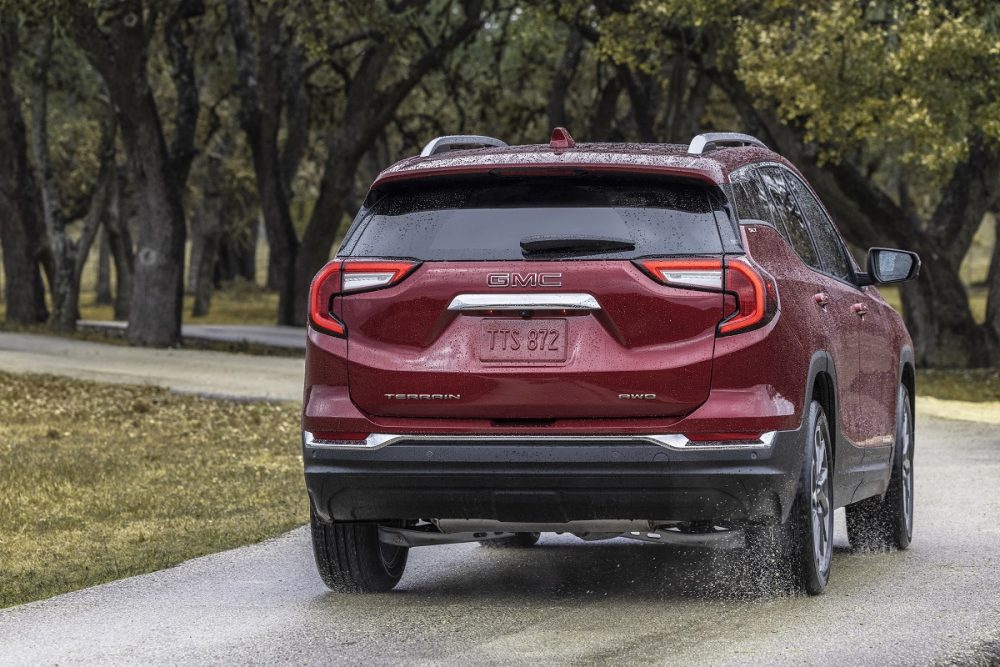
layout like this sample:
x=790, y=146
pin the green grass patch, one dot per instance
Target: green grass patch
x=99, y=482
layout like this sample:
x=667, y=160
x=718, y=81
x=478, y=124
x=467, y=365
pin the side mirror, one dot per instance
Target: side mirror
x=886, y=266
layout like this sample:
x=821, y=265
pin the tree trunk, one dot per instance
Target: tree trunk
x=100, y=203
x=120, y=244
x=64, y=292
x=991, y=326
x=324, y=225
x=158, y=280
x=20, y=232
x=563, y=77
x=208, y=224
x=260, y=118
x=104, y=296
x=117, y=48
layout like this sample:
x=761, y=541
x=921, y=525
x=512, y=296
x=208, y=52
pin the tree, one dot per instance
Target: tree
x=889, y=108
x=20, y=229
x=67, y=255
x=115, y=35
x=386, y=52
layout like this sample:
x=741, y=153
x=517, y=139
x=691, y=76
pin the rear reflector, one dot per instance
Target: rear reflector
x=333, y=436
x=349, y=277
x=720, y=437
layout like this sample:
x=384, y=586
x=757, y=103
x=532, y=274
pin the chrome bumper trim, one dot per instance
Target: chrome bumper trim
x=674, y=441
x=540, y=301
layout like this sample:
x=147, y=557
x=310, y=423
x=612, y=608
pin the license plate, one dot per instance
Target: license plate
x=523, y=340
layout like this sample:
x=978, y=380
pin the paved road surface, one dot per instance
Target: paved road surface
x=293, y=338
x=562, y=601
x=198, y=371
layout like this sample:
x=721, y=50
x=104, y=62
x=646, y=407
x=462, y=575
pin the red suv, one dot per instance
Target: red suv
x=669, y=343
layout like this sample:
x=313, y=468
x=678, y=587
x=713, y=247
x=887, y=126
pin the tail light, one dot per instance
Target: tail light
x=751, y=295
x=348, y=277
x=756, y=297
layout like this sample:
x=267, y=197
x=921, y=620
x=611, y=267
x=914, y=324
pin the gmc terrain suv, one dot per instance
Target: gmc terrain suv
x=669, y=343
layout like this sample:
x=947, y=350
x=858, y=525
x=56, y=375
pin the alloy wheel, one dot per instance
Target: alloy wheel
x=821, y=512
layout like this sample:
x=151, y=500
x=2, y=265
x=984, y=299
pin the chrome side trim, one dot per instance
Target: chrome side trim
x=674, y=441
x=541, y=301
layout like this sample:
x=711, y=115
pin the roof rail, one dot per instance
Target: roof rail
x=452, y=141
x=705, y=142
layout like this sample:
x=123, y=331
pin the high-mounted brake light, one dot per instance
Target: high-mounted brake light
x=347, y=277
x=752, y=297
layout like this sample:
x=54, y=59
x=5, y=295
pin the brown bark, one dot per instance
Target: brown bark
x=178, y=31
x=563, y=77
x=971, y=191
x=207, y=225
x=260, y=117
x=605, y=109
x=62, y=250
x=104, y=296
x=115, y=38
x=100, y=203
x=120, y=244
x=992, y=323
x=20, y=228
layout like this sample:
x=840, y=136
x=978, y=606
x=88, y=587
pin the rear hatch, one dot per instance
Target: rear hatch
x=531, y=300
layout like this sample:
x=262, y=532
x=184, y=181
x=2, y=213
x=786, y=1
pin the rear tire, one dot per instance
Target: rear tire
x=884, y=523
x=517, y=541
x=798, y=554
x=351, y=559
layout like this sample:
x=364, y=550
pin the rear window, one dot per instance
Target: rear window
x=488, y=220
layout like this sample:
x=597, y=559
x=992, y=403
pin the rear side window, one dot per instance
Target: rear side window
x=788, y=215
x=827, y=242
x=751, y=201
x=488, y=219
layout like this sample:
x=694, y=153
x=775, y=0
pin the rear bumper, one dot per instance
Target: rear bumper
x=554, y=479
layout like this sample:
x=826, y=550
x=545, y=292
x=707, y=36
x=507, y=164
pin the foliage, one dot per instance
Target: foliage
x=912, y=80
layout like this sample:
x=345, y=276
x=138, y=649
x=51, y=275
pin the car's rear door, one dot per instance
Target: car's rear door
x=506, y=318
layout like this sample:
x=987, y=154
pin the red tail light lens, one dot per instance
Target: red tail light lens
x=324, y=287
x=756, y=294
x=348, y=277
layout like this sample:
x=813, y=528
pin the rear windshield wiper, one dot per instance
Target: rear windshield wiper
x=539, y=244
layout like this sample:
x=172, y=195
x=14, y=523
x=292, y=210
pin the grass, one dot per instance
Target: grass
x=238, y=302
x=99, y=482
x=975, y=385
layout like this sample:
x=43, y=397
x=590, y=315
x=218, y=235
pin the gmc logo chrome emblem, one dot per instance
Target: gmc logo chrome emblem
x=524, y=279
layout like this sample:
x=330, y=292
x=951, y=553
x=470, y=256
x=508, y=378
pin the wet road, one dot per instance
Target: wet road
x=564, y=600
